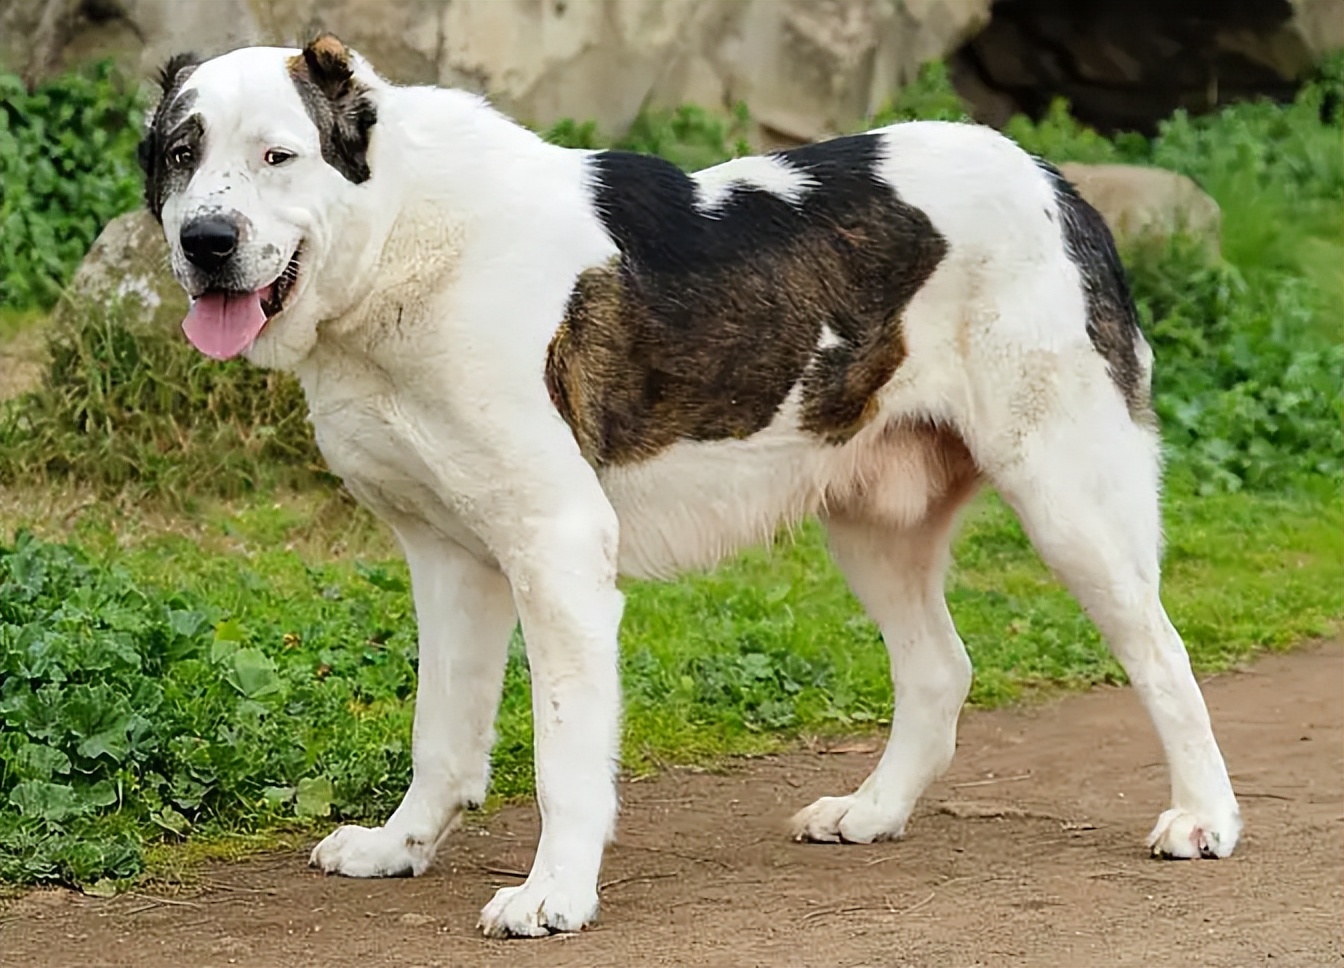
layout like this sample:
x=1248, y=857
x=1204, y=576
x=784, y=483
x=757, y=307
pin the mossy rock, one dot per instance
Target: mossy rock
x=128, y=266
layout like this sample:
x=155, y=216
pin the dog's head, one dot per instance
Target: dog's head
x=252, y=163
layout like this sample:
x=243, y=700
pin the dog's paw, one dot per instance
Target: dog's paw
x=852, y=820
x=1181, y=834
x=533, y=910
x=353, y=851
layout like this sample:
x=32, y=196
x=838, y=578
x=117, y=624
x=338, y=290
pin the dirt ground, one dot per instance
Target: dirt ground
x=1028, y=853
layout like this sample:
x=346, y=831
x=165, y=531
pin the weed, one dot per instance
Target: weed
x=125, y=405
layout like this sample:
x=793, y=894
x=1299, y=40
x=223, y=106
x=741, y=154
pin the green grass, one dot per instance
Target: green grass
x=218, y=684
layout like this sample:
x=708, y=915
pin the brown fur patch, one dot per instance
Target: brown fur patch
x=711, y=352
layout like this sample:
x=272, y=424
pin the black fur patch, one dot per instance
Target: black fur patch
x=707, y=320
x=171, y=126
x=1112, y=321
x=340, y=108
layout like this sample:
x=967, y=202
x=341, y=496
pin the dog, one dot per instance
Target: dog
x=542, y=367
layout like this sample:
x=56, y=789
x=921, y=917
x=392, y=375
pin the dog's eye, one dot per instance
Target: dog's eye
x=181, y=156
x=278, y=156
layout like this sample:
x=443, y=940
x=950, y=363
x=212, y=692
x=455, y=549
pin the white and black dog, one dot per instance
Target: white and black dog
x=543, y=367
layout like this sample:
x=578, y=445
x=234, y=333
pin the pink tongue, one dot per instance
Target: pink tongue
x=222, y=325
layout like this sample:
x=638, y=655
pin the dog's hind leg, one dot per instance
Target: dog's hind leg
x=466, y=615
x=897, y=573
x=1083, y=474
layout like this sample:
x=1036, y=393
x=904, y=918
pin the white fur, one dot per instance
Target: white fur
x=419, y=329
x=764, y=172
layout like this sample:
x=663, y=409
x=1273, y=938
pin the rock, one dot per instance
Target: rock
x=1126, y=68
x=1143, y=204
x=128, y=264
x=806, y=67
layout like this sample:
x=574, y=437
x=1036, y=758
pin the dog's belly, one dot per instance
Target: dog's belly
x=695, y=503
x=698, y=501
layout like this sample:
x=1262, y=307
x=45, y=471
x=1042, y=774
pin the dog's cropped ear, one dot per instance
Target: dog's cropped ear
x=338, y=103
x=329, y=65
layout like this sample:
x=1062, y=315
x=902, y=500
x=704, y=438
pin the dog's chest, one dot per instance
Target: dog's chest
x=371, y=440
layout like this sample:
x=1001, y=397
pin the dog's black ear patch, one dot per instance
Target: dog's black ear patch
x=172, y=110
x=338, y=104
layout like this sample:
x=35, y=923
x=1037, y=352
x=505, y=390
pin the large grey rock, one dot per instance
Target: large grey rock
x=1142, y=205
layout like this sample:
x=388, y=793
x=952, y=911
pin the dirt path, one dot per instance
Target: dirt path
x=1027, y=853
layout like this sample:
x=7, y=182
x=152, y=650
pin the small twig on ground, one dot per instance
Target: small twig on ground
x=504, y=871
x=975, y=810
x=163, y=900
x=212, y=885
x=915, y=907
x=669, y=800
x=673, y=853
x=842, y=749
x=826, y=912
x=633, y=878
x=856, y=908
x=1263, y=796
x=140, y=910
x=992, y=780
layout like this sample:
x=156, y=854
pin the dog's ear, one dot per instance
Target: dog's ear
x=329, y=65
x=168, y=74
x=338, y=103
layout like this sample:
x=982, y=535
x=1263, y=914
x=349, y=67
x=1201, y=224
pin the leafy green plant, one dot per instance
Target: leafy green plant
x=689, y=136
x=929, y=97
x=131, y=714
x=1248, y=392
x=67, y=167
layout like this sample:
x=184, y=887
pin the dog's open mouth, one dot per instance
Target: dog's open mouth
x=223, y=323
x=273, y=296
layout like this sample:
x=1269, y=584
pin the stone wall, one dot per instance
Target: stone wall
x=805, y=67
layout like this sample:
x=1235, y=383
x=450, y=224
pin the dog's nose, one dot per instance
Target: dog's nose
x=208, y=242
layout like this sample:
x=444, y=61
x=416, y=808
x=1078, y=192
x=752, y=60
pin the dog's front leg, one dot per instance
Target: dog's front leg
x=464, y=609
x=562, y=566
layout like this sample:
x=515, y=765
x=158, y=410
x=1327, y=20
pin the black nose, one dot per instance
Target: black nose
x=208, y=242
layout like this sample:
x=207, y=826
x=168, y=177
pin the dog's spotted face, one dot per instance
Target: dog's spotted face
x=248, y=160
